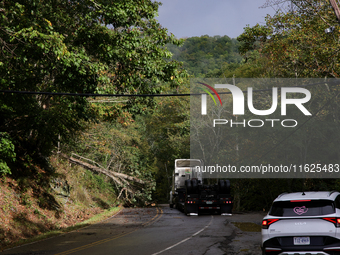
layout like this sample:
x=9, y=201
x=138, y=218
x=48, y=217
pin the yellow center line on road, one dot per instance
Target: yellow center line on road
x=154, y=219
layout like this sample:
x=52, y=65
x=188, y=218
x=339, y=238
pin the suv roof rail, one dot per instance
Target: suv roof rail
x=330, y=193
x=282, y=194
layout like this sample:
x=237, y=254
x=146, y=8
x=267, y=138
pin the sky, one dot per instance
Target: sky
x=188, y=18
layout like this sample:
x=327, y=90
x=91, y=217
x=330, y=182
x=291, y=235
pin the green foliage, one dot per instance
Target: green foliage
x=7, y=153
x=292, y=44
x=168, y=134
x=252, y=38
x=295, y=44
x=254, y=67
x=66, y=46
x=205, y=55
x=144, y=146
x=122, y=149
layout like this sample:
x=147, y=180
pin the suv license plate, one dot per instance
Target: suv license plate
x=209, y=202
x=302, y=240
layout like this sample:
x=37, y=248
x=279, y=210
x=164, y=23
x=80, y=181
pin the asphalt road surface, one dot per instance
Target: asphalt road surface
x=152, y=231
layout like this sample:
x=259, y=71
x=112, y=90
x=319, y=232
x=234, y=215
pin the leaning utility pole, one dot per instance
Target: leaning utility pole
x=335, y=5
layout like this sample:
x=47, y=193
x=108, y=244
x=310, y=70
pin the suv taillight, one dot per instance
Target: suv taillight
x=266, y=223
x=335, y=221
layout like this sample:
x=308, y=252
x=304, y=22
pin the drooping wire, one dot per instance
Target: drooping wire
x=336, y=82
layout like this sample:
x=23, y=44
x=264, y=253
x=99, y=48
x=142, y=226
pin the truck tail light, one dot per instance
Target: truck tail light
x=266, y=223
x=191, y=202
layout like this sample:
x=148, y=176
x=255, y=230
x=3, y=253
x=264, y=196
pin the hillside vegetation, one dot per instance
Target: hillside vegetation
x=207, y=56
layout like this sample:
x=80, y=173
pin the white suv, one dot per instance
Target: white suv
x=303, y=223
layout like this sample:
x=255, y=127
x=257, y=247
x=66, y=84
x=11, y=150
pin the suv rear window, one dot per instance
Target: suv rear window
x=302, y=208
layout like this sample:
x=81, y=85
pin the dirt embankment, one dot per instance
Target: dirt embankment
x=70, y=196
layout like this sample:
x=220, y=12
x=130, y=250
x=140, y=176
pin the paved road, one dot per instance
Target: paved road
x=151, y=231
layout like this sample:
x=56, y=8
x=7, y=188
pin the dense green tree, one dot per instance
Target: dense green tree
x=76, y=47
x=295, y=43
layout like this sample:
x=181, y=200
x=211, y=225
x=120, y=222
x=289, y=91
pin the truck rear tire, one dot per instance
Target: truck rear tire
x=221, y=185
x=227, y=185
x=194, y=186
x=224, y=186
x=188, y=186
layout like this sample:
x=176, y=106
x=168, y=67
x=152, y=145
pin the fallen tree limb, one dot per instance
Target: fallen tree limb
x=128, y=177
x=113, y=175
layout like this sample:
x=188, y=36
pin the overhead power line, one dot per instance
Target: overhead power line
x=91, y=94
x=333, y=82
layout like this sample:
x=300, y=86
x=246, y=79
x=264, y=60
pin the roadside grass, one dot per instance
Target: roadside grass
x=247, y=226
x=93, y=220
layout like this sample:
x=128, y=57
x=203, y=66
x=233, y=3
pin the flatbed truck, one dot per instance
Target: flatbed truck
x=191, y=195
